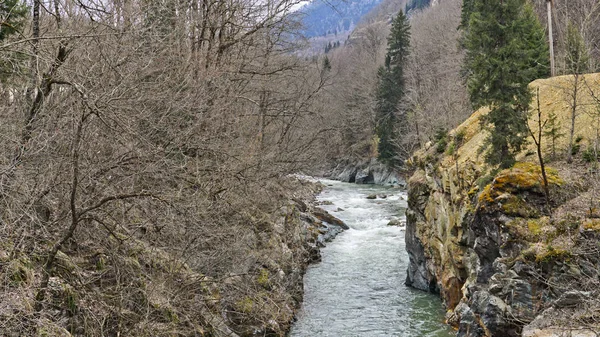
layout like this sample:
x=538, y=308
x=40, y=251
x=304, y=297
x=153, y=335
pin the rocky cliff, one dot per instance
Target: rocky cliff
x=504, y=260
x=364, y=172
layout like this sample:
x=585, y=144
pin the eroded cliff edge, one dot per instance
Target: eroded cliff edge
x=504, y=261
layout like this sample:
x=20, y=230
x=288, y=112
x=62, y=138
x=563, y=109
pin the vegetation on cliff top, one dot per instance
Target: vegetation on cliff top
x=503, y=38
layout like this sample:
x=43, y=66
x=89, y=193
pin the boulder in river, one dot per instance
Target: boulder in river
x=322, y=215
x=396, y=223
x=372, y=196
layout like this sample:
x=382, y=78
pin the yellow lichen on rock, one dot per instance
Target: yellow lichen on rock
x=553, y=254
x=592, y=224
x=521, y=177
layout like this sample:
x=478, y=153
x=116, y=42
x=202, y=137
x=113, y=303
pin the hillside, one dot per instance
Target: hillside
x=506, y=261
x=555, y=98
x=322, y=18
x=125, y=283
x=416, y=5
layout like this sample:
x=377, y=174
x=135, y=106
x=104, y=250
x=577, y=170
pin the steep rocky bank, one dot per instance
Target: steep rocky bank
x=131, y=286
x=504, y=261
x=364, y=172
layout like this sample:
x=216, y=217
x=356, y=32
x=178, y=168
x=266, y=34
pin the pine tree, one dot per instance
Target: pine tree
x=391, y=89
x=398, y=46
x=552, y=130
x=467, y=9
x=506, y=50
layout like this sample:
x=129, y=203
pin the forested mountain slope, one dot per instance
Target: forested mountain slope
x=322, y=18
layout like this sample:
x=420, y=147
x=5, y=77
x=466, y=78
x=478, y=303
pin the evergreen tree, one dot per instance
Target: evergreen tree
x=398, y=46
x=552, y=130
x=391, y=89
x=467, y=9
x=385, y=115
x=326, y=64
x=506, y=50
x=12, y=17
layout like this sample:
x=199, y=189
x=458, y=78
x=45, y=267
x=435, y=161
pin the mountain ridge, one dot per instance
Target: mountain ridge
x=321, y=18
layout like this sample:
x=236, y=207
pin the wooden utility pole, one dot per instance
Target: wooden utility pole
x=551, y=38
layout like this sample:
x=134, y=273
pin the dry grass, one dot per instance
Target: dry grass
x=554, y=99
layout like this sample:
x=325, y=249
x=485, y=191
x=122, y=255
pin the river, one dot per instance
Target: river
x=358, y=287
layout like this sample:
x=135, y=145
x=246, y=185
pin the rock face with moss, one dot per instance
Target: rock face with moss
x=500, y=257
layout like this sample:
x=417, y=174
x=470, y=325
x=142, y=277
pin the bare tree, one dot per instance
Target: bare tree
x=549, y=4
x=537, y=140
x=437, y=95
x=151, y=147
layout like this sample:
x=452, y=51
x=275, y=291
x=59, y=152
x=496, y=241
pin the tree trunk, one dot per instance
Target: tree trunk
x=551, y=38
x=538, y=143
x=573, y=117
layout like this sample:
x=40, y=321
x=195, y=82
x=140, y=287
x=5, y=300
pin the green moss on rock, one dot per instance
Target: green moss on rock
x=245, y=305
x=516, y=206
x=263, y=278
x=20, y=272
x=551, y=254
x=521, y=177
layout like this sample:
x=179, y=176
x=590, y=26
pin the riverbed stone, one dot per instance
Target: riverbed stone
x=323, y=215
x=396, y=223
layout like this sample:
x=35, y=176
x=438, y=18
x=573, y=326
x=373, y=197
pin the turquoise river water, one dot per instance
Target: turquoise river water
x=358, y=288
